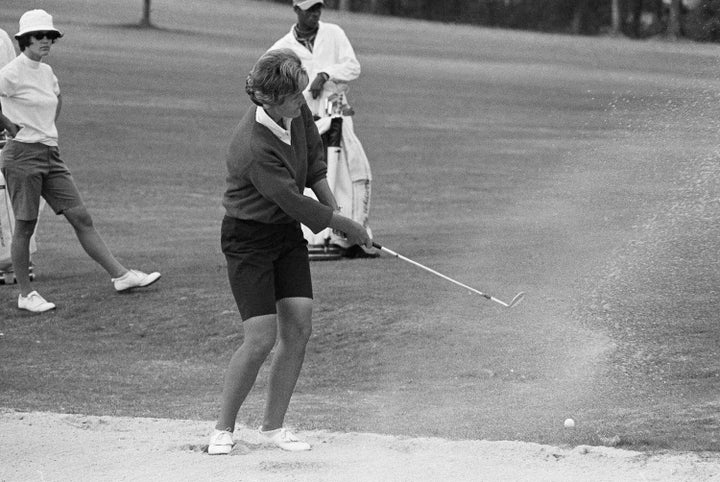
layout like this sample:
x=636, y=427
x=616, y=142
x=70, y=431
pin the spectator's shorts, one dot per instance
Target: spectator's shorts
x=35, y=170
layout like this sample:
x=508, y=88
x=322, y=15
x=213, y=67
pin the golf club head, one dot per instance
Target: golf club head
x=518, y=298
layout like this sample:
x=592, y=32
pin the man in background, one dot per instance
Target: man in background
x=330, y=61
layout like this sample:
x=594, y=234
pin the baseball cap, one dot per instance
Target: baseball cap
x=305, y=4
x=36, y=21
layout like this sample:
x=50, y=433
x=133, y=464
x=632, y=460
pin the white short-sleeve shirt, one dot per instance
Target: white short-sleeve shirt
x=29, y=94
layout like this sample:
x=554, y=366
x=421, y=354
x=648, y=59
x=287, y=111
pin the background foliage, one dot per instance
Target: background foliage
x=696, y=19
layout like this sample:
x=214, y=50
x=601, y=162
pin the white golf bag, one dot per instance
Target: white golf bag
x=348, y=174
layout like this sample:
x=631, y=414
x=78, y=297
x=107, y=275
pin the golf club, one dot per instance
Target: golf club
x=517, y=299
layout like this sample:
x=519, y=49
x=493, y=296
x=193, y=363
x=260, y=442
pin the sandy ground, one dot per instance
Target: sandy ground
x=42, y=446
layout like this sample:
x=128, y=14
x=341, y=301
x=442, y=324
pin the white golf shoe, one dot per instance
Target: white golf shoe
x=134, y=279
x=34, y=302
x=221, y=442
x=285, y=439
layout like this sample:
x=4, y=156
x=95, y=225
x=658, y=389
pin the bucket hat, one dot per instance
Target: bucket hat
x=36, y=21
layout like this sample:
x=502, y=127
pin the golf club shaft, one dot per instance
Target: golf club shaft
x=436, y=273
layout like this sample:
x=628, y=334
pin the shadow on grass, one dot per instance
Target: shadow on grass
x=151, y=27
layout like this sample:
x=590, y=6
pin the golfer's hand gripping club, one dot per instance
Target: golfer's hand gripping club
x=517, y=299
x=353, y=231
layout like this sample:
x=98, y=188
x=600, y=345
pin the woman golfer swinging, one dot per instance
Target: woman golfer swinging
x=275, y=153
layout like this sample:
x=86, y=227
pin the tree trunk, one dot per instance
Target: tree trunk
x=615, y=18
x=637, y=10
x=673, y=28
x=145, y=21
x=579, y=16
x=344, y=5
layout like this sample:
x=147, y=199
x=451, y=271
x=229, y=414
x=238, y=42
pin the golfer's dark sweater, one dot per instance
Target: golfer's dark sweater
x=266, y=177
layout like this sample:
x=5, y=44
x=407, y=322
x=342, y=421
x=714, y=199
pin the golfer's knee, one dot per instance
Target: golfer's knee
x=297, y=334
x=79, y=218
x=295, y=317
x=304, y=331
x=258, y=349
x=24, y=230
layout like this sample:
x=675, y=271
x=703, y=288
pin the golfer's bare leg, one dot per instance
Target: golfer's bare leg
x=294, y=329
x=259, y=339
x=20, y=254
x=91, y=241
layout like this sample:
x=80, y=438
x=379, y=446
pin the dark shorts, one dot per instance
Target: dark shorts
x=266, y=263
x=35, y=170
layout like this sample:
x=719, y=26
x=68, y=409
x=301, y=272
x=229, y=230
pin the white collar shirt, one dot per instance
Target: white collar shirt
x=261, y=117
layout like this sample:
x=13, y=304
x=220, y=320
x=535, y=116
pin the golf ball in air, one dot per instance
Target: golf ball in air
x=569, y=423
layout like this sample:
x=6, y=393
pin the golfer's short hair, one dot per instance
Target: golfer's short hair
x=276, y=74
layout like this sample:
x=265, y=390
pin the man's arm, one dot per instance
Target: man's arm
x=338, y=63
x=59, y=107
x=8, y=125
x=344, y=67
x=317, y=84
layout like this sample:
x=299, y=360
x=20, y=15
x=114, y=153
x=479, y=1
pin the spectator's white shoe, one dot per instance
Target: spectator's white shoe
x=221, y=443
x=285, y=439
x=34, y=302
x=134, y=279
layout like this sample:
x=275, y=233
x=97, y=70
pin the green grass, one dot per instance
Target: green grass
x=580, y=170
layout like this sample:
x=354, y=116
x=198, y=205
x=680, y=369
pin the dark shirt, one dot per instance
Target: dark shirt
x=266, y=177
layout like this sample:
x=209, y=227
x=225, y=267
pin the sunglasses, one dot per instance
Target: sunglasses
x=44, y=35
